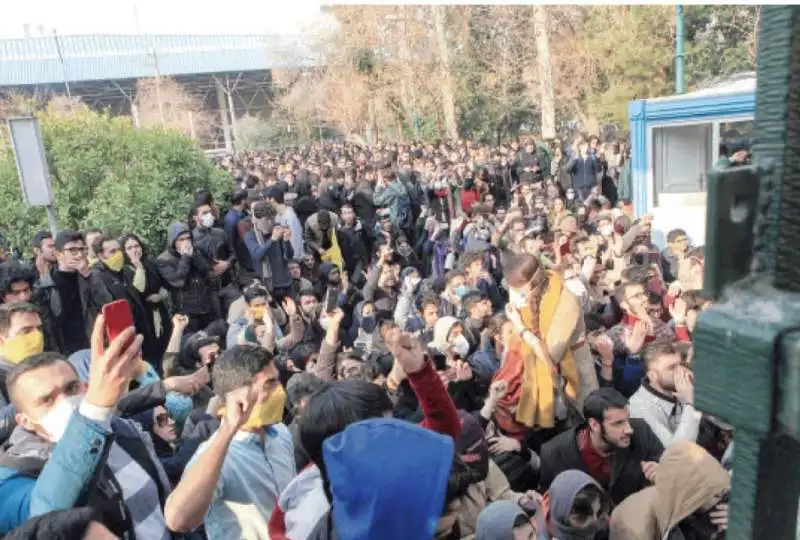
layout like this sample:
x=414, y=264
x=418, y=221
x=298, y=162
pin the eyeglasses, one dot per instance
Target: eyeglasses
x=162, y=419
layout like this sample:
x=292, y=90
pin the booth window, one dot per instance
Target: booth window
x=682, y=157
x=735, y=135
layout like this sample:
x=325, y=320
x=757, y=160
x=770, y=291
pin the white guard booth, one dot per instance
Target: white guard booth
x=675, y=141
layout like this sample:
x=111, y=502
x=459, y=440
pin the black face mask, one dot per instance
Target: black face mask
x=368, y=323
x=597, y=531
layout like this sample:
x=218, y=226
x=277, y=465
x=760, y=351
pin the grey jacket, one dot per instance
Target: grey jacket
x=669, y=419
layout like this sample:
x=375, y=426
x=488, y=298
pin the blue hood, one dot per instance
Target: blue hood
x=402, y=472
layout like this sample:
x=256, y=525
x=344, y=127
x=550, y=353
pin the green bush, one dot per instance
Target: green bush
x=107, y=174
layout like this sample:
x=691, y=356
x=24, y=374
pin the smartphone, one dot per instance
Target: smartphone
x=331, y=299
x=439, y=362
x=118, y=318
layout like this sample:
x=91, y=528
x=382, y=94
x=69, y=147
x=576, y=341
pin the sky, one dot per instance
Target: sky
x=159, y=17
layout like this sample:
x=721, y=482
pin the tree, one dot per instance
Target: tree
x=721, y=40
x=106, y=173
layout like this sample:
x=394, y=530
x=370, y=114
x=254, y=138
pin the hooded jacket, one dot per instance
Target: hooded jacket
x=368, y=509
x=688, y=478
x=188, y=277
x=554, y=511
x=496, y=521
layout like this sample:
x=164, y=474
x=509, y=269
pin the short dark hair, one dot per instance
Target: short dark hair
x=37, y=361
x=453, y=274
x=239, y=197
x=470, y=257
x=674, y=234
x=253, y=292
x=97, y=245
x=334, y=407
x=40, y=237
x=66, y=236
x=14, y=272
x=473, y=298
x=653, y=351
x=7, y=311
x=601, y=400
x=237, y=366
x=429, y=298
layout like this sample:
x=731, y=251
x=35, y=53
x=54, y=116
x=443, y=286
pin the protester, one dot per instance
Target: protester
x=233, y=481
x=68, y=434
x=70, y=296
x=619, y=452
x=688, y=500
x=403, y=280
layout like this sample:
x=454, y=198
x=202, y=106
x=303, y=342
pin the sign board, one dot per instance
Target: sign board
x=34, y=174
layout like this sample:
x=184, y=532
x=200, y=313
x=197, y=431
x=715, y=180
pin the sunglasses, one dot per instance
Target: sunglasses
x=162, y=419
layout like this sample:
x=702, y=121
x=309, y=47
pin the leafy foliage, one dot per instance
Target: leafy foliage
x=384, y=68
x=107, y=174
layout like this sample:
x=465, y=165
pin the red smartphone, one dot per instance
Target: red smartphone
x=118, y=318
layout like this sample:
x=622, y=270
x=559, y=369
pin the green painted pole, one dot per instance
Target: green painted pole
x=679, y=56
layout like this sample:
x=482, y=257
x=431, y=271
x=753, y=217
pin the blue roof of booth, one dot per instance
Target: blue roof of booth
x=36, y=60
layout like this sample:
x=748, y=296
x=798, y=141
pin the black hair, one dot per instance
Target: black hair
x=674, y=234
x=582, y=505
x=601, y=400
x=253, y=292
x=237, y=366
x=13, y=272
x=334, y=407
x=125, y=238
x=470, y=257
x=97, y=245
x=66, y=236
x=239, y=197
x=473, y=298
x=7, y=311
x=40, y=237
x=37, y=361
x=453, y=274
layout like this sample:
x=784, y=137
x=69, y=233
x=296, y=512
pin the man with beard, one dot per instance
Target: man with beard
x=309, y=312
x=619, y=452
x=356, y=241
x=637, y=327
x=665, y=400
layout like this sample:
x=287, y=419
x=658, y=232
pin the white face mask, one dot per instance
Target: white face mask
x=518, y=299
x=606, y=230
x=55, y=421
x=207, y=220
x=460, y=346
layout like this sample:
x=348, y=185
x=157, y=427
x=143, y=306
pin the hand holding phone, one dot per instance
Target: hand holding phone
x=118, y=318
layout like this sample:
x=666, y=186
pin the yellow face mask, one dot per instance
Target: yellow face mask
x=258, y=312
x=115, y=262
x=265, y=414
x=18, y=348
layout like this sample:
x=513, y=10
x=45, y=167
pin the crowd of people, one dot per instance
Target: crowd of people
x=403, y=341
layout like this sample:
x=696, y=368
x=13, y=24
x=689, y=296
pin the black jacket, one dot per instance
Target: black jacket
x=188, y=277
x=93, y=295
x=562, y=453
